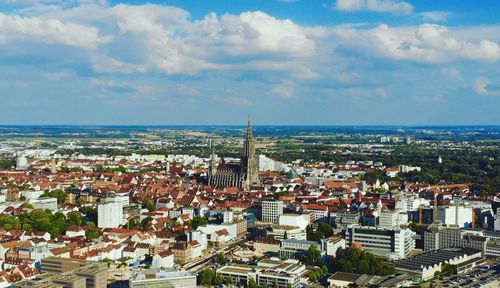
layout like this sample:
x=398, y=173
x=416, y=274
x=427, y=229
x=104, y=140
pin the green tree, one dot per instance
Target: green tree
x=206, y=276
x=252, y=283
x=218, y=279
x=57, y=193
x=93, y=233
x=148, y=204
x=221, y=259
x=312, y=256
x=325, y=229
x=230, y=281
x=196, y=222
x=74, y=218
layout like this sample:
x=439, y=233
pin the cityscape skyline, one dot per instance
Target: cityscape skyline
x=340, y=62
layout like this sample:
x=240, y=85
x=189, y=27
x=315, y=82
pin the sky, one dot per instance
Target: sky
x=213, y=62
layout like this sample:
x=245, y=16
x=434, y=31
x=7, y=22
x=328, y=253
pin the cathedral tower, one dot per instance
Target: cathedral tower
x=249, y=162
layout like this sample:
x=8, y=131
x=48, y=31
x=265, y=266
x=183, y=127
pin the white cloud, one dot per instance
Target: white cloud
x=237, y=101
x=358, y=92
x=481, y=87
x=426, y=43
x=187, y=90
x=56, y=76
x=105, y=64
x=54, y=31
x=390, y=6
x=256, y=32
x=285, y=92
x=451, y=72
x=436, y=15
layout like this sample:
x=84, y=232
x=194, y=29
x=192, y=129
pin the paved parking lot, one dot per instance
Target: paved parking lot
x=474, y=279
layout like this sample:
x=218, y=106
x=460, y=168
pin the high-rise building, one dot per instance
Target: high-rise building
x=109, y=215
x=244, y=174
x=271, y=211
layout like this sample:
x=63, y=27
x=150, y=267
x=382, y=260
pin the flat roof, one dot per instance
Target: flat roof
x=344, y=276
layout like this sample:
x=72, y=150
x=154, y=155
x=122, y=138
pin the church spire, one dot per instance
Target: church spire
x=249, y=127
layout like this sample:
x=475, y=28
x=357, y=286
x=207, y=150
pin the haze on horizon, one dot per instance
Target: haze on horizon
x=359, y=62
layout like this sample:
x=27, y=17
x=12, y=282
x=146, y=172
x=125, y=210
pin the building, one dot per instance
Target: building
x=264, y=245
x=393, y=243
x=271, y=211
x=244, y=174
x=388, y=219
x=21, y=163
x=298, y=220
x=281, y=232
x=458, y=215
x=437, y=237
x=158, y=278
x=44, y=203
x=426, y=264
x=294, y=249
x=109, y=215
x=331, y=245
x=63, y=272
x=183, y=252
x=272, y=272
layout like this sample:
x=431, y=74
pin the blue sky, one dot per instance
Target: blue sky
x=284, y=62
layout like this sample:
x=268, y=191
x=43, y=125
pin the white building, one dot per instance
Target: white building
x=44, y=203
x=21, y=163
x=271, y=211
x=109, y=215
x=392, y=243
x=29, y=194
x=331, y=245
x=388, y=219
x=297, y=220
x=164, y=259
x=455, y=215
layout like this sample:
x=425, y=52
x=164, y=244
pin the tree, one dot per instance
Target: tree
x=74, y=218
x=148, y=204
x=265, y=285
x=206, y=276
x=312, y=256
x=57, y=193
x=252, y=283
x=325, y=229
x=218, y=279
x=355, y=261
x=197, y=222
x=221, y=259
x=312, y=234
x=230, y=281
x=93, y=233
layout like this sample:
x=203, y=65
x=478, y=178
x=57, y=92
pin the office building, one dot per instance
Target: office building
x=271, y=272
x=388, y=219
x=109, y=215
x=157, y=278
x=271, y=211
x=393, y=243
x=70, y=273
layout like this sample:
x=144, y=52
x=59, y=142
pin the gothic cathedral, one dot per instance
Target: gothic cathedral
x=244, y=174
